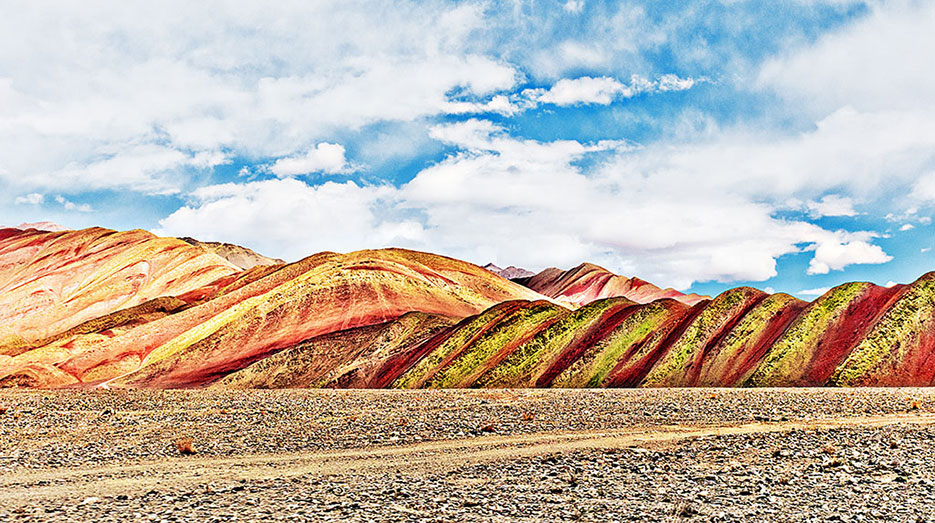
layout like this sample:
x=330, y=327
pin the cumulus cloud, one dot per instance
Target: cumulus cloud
x=871, y=65
x=30, y=199
x=140, y=98
x=637, y=211
x=832, y=255
x=69, y=205
x=832, y=205
x=586, y=90
x=533, y=203
x=290, y=218
x=871, y=98
x=325, y=158
x=39, y=199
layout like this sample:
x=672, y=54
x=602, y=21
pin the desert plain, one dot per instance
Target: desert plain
x=817, y=454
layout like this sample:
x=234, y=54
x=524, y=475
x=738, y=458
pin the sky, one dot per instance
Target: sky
x=701, y=145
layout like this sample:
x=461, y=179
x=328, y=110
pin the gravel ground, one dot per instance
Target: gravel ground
x=111, y=455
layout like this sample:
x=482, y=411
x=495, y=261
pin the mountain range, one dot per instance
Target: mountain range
x=97, y=307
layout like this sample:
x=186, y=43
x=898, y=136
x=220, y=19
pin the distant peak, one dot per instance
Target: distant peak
x=510, y=273
x=588, y=282
x=42, y=226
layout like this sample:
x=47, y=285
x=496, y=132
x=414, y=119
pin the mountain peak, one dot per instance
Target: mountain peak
x=42, y=226
x=240, y=256
x=588, y=282
x=511, y=273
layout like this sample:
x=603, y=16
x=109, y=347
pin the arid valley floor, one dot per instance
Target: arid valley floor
x=532, y=455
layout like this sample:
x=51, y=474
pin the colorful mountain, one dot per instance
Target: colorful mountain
x=240, y=256
x=588, y=282
x=224, y=318
x=129, y=309
x=510, y=273
x=42, y=226
x=856, y=334
x=53, y=281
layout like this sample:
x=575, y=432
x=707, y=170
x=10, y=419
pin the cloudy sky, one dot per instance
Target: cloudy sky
x=696, y=144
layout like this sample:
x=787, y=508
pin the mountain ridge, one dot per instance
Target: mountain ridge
x=97, y=307
x=587, y=282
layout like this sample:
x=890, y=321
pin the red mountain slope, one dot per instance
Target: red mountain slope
x=97, y=307
x=588, y=282
x=52, y=281
x=230, y=318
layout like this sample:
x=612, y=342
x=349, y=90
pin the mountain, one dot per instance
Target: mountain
x=42, y=226
x=224, y=318
x=53, y=281
x=240, y=256
x=510, y=273
x=588, y=282
x=351, y=358
x=858, y=334
x=129, y=309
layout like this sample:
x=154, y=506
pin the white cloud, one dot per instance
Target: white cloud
x=472, y=134
x=291, y=218
x=609, y=41
x=30, y=199
x=924, y=188
x=135, y=97
x=814, y=292
x=39, y=199
x=874, y=105
x=72, y=206
x=119, y=98
x=604, y=90
x=836, y=256
x=573, y=6
x=325, y=158
x=671, y=82
x=639, y=212
x=154, y=169
x=585, y=90
x=832, y=205
x=871, y=65
x=890, y=284
x=531, y=203
x=907, y=227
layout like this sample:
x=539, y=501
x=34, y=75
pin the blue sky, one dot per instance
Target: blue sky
x=701, y=145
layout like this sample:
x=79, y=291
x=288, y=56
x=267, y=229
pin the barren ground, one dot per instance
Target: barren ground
x=637, y=455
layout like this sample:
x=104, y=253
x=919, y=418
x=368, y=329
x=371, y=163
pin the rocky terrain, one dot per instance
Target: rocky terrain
x=441, y=455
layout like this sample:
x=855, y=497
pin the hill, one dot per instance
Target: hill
x=588, y=282
x=129, y=309
x=222, y=318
